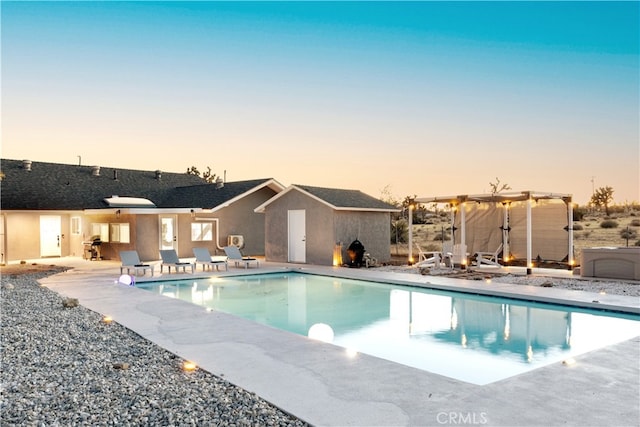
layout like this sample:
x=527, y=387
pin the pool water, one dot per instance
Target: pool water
x=476, y=339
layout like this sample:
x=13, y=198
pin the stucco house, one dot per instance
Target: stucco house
x=53, y=210
x=316, y=225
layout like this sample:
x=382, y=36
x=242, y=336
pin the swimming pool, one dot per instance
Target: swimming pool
x=472, y=338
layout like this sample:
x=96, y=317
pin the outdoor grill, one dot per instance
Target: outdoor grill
x=92, y=248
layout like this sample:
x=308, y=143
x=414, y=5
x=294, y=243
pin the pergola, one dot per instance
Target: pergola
x=518, y=221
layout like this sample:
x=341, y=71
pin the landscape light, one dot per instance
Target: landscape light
x=188, y=366
x=107, y=319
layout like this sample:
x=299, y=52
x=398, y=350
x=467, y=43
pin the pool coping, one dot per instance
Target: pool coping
x=602, y=388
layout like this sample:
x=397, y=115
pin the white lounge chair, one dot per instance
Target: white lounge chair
x=488, y=258
x=455, y=255
x=204, y=257
x=170, y=259
x=459, y=255
x=131, y=261
x=429, y=259
x=234, y=255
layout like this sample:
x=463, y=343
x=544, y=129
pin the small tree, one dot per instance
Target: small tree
x=399, y=231
x=602, y=197
x=496, y=187
x=387, y=197
x=207, y=176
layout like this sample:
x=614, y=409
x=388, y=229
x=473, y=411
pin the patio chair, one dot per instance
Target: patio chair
x=488, y=258
x=204, y=257
x=131, y=261
x=454, y=255
x=429, y=259
x=170, y=259
x=459, y=255
x=234, y=255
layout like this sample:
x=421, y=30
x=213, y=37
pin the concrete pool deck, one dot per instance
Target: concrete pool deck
x=322, y=385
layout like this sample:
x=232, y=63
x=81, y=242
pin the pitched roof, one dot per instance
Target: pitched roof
x=53, y=186
x=345, y=200
x=210, y=196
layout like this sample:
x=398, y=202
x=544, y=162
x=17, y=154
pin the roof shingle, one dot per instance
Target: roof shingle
x=51, y=186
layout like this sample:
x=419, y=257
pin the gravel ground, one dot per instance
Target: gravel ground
x=64, y=367
x=608, y=286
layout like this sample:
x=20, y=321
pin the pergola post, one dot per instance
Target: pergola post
x=410, y=234
x=570, y=259
x=529, y=263
x=505, y=233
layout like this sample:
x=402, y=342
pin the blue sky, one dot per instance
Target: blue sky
x=424, y=98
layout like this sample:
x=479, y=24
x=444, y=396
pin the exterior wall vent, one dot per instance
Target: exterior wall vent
x=95, y=170
x=158, y=174
x=26, y=165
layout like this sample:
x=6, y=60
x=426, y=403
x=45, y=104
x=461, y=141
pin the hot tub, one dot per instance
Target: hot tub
x=611, y=262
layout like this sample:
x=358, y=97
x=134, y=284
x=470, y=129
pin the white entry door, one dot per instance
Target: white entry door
x=168, y=232
x=50, y=236
x=297, y=237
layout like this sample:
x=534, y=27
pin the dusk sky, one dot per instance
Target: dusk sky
x=421, y=98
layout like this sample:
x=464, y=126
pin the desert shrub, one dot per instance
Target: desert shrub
x=635, y=223
x=438, y=237
x=628, y=233
x=579, y=213
x=432, y=247
x=399, y=231
x=609, y=223
x=577, y=227
x=586, y=234
x=637, y=243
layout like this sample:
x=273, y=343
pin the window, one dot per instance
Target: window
x=76, y=225
x=201, y=231
x=119, y=232
x=101, y=230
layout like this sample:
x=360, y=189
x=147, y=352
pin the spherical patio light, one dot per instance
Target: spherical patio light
x=321, y=332
x=127, y=280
